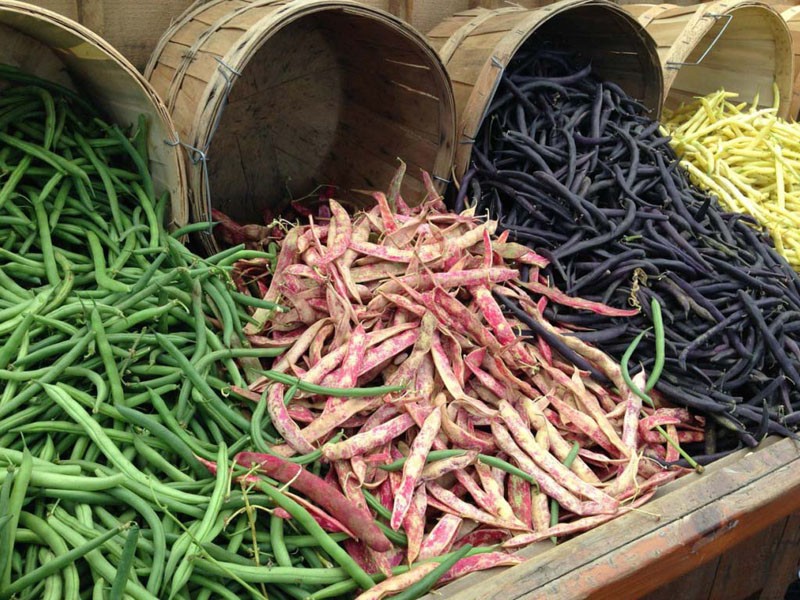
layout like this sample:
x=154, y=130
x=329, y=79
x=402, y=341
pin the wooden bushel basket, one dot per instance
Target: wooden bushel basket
x=739, y=45
x=277, y=100
x=54, y=47
x=476, y=46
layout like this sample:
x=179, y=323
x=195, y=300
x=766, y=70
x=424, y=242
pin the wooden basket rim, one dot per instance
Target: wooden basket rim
x=790, y=14
x=474, y=112
x=179, y=198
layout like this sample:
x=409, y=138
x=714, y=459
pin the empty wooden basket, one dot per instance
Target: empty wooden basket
x=274, y=99
x=476, y=45
x=739, y=45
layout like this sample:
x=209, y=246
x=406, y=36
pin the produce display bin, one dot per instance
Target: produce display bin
x=273, y=99
x=476, y=45
x=54, y=47
x=732, y=532
x=737, y=45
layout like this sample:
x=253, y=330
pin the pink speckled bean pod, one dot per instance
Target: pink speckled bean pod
x=519, y=498
x=414, y=523
x=480, y=562
x=283, y=422
x=466, y=510
x=548, y=462
x=441, y=537
x=414, y=466
x=398, y=583
x=437, y=469
x=362, y=443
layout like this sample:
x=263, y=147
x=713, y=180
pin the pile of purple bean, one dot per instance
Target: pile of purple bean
x=575, y=169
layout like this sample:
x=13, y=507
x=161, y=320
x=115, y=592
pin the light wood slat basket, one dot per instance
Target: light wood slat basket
x=476, y=45
x=132, y=27
x=422, y=15
x=54, y=47
x=791, y=14
x=742, y=46
x=282, y=97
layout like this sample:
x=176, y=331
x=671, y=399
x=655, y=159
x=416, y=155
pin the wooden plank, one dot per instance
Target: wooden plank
x=760, y=566
x=733, y=579
x=696, y=520
x=401, y=103
x=785, y=561
x=695, y=584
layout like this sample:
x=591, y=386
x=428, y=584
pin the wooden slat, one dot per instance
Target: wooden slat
x=754, y=45
x=665, y=32
x=735, y=582
x=365, y=130
x=35, y=40
x=694, y=584
x=478, y=50
x=785, y=561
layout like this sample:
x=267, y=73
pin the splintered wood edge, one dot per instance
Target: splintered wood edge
x=690, y=522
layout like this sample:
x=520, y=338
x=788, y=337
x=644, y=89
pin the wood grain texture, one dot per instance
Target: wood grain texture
x=743, y=570
x=785, y=561
x=791, y=14
x=694, y=584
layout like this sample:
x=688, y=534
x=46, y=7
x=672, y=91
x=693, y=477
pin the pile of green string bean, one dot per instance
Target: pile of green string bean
x=115, y=379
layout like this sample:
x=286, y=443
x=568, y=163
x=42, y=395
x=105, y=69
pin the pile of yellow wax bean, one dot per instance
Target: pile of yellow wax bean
x=748, y=156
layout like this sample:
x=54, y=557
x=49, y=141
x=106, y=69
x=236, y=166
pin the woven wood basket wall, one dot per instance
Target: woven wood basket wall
x=791, y=14
x=740, y=45
x=132, y=26
x=423, y=15
x=54, y=47
x=476, y=45
x=282, y=97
